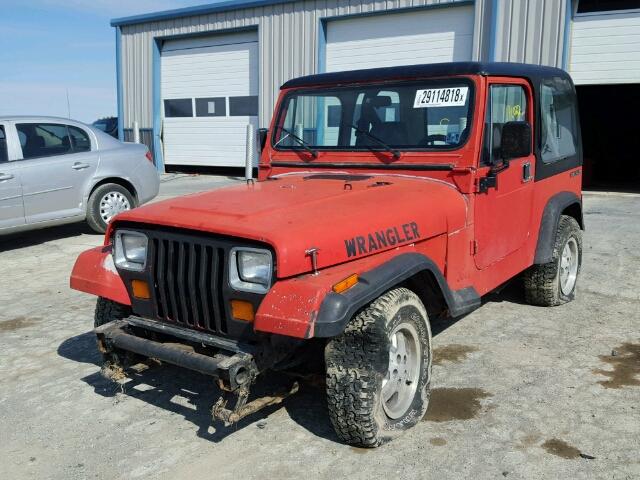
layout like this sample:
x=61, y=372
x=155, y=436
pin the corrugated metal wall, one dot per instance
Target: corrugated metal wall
x=530, y=31
x=526, y=30
x=288, y=36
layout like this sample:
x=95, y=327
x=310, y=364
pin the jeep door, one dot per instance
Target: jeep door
x=11, y=207
x=503, y=212
x=58, y=162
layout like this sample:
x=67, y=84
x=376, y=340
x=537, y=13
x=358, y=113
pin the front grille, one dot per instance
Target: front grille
x=188, y=277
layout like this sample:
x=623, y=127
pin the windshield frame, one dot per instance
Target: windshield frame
x=428, y=82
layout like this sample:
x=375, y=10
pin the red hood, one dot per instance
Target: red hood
x=343, y=219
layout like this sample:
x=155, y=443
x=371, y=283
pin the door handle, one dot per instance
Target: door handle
x=80, y=166
x=526, y=172
x=5, y=176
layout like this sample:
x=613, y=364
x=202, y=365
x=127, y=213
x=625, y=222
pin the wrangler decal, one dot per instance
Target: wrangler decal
x=389, y=237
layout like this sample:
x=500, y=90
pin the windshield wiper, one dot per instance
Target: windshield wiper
x=393, y=151
x=300, y=141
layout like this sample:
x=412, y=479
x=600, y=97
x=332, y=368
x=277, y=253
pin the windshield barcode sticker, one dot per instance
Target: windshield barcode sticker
x=441, y=97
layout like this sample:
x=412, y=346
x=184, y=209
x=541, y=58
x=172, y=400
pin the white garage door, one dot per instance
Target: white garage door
x=605, y=48
x=209, y=94
x=428, y=36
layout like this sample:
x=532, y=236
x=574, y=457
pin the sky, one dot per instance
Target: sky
x=49, y=47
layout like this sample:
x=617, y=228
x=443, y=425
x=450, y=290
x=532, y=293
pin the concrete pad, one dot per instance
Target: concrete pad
x=519, y=391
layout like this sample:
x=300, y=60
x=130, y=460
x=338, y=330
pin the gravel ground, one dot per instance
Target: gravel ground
x=519, y=391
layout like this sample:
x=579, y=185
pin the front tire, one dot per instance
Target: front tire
x=379, y=370
x=113, y=363
x=554, y=283
x=106, y=202
x=108, y=311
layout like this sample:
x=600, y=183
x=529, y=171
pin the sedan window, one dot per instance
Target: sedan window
x=3, y=146
x=79, y=140
x=43, y=140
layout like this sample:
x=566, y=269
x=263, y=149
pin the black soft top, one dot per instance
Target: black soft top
x=531, y=72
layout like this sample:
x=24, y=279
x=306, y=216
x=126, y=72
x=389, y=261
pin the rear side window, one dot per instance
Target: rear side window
x=43, y=140
x=79, y=140
x=4, y=157
x=558, y=120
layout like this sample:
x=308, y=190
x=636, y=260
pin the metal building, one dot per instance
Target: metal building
x=193, y=78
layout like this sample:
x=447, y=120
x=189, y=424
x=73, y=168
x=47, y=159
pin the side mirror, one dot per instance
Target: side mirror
x=262, y=138
x=516, y=140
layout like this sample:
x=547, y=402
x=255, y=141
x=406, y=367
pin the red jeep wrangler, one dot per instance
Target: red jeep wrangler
x=385, y=197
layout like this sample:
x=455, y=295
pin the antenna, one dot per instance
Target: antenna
x=68, y=105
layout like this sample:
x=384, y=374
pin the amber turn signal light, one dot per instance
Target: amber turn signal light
x=242, y=310
x=140, y=289
x=346, y=284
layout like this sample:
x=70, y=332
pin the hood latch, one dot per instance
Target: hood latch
x=313, y=253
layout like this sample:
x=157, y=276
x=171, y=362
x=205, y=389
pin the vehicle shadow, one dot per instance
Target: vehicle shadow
x=81, y=348
x=512, y=292
x=15, y=241
x=192, y=395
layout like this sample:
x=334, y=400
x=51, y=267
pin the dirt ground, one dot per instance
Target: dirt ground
x=519, y=391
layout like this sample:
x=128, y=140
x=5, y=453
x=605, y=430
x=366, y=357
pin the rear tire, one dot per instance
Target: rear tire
x=379, y=370
x=554, y=283
x=105, y=202
x=108, y=311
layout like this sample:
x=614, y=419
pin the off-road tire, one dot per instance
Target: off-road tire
x=95, y=221
x=108, y=310
x=357, y=362
x=542, y=282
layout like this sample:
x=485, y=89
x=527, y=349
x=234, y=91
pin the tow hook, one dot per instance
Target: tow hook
x=241, y=408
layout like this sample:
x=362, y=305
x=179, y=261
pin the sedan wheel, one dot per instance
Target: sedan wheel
x=105, y=203
x=113, y=203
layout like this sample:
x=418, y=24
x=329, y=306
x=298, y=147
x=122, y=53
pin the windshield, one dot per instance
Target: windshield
x=432, y=114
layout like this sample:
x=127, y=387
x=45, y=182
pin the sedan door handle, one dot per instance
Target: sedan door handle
x=80, y=166
x=5, y=176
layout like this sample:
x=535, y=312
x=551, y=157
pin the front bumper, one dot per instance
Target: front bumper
x=231, y=362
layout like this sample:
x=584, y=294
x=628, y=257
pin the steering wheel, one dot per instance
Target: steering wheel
x=431, y=139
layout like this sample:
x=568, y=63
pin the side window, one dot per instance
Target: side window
x=4, y=157
x=558, y=120
x=79, y=140
x=43, y=140
x=507, y=103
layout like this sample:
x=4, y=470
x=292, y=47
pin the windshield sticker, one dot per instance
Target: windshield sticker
x=441, y=97
x=381, y=239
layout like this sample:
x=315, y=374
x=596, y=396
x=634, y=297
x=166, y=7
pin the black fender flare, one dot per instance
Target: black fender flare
x=338, y=308
x=549, y=224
